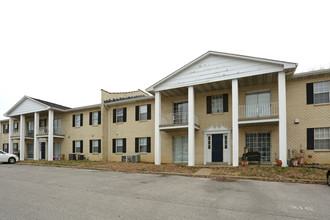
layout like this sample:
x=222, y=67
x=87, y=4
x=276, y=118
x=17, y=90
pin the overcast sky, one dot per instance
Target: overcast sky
x=67, y=51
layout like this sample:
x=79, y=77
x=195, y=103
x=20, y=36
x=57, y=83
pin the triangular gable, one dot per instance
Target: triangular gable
x=215, y=128
x=216, y=66
x=26, y=105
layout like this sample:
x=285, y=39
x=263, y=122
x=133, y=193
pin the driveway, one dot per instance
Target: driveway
x=30, y=192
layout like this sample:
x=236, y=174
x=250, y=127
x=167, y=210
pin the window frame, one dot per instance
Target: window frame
x=213, y=103
x=316, y=91
x=143, y=145
x=77, y=119
x=145, y=114
x=122, y=145
x=317, y=140
x=119, y=116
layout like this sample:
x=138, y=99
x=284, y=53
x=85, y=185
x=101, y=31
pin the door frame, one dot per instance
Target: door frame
x=46, y=149
x=215, y=129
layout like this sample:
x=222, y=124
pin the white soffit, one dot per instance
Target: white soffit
x=25, y=106
x=215, y=66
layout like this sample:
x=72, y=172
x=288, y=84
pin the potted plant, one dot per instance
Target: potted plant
x=301, y=159
x=245, y=161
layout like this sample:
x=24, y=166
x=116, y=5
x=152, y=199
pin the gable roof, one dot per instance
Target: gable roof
x=30, y=105
x=221, y=72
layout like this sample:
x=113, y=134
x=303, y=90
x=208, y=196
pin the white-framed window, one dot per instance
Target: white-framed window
x=226, y=141
x=30, y=129
x=217, y=104
x=42, y=123
x=259, y=142
x=321, y=92
x=57, y=149
x=78, y=147
x=119, y=115
x=95, y=146
x=95, y=118
x=77, y=120
x=143, y=145
x=322, y=138
x=16, y=127
x=143, y=112
x=119, y=146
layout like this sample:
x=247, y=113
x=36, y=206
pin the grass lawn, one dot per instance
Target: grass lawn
x=285, y=174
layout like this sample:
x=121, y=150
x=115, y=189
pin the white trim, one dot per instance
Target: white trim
x=109, y=134
x=50, y=135
x=282, y=64
x=191, y=126
x=10, y=141
x=177, y=127
x=22, y=137
x=36, y=140
x=215, y=129
x=282, y=119
x=258, y=121
x=158, y=147
x=235, y=121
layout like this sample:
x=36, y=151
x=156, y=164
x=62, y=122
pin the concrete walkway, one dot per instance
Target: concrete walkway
x=203, y=172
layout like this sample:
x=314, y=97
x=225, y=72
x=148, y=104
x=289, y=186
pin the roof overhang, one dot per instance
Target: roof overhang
x=223, y=74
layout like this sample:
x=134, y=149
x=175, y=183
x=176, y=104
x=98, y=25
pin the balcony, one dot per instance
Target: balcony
x=174, y=121
x=258, y=113
x=44, y=131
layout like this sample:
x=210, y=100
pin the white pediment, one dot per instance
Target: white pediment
x=215, y=67
x=26, y=106
x=215, y=128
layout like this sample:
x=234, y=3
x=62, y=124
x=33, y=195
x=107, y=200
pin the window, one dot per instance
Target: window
x=259, y=142
x=77, y=120
x=143, y=112
x=16, y=127
x=119, y=115
x=226, y=141
x=30, y=151
x=77, y=147
x=42, y=123
x=180, y=110
x=57, y=149
x=322, y=138
x=95, y=118
x=257, y=105
x=57, y=126
x=321, y=92
x=15, y=150
x=119, y=145
x=318, y=92
x=95, y=146
x=143, y=145
x=6, y=128
x=30, y=129
x=5, y=147
x=209, y=141
x=217, y=104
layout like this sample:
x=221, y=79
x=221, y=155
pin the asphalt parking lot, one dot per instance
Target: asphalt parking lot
x=30, y=192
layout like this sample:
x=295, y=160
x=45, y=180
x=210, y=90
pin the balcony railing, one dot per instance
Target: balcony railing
x=30, y=133
x=176, y=119
x=43, y=130
x=268, y=110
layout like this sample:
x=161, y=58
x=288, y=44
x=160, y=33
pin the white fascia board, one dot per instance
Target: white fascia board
x=223, y=78
x=285, y=65
x=258, y=121
x=7, y=114
x=312, y=73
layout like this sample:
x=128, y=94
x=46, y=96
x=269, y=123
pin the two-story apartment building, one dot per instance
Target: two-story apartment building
x=205, y=112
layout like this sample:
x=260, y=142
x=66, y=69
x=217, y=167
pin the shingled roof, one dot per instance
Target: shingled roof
x=51, y=104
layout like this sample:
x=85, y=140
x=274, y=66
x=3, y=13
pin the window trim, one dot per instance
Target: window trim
x=316, y=147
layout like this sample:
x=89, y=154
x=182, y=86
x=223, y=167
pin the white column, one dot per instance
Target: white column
x=191, y=126
x=1, y=147
x=36, y=140
x=22, y=137
x=11, y=126
x=158, y=146
x=282, y=118
x=234, y=89
x=50, y=134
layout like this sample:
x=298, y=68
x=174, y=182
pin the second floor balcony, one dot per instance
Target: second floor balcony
x=176, y=121
x=258, y=112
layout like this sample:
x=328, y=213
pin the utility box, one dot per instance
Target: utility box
x=72, y=157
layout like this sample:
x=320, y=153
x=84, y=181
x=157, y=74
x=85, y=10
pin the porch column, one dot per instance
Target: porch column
x=10, y=141
x=22, y=138
x=282, y=118
x=50, y=134
x=36, y=140
x=158, y=146
x=191, y=126
x=234, y=88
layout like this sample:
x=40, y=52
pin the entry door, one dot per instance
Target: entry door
x=43, y=150
x=217, y=148
x=180, y=149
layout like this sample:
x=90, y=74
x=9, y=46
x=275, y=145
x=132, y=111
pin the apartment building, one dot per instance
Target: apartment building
x=208, y=111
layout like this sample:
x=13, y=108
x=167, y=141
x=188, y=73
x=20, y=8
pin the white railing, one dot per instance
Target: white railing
x=15, y=133
x=258, y=111
x=176, y=118
x=29, y=133
x=43, y=130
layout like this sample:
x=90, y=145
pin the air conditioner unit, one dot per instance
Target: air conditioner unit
x=128, y=158
x=123, y=158
x=136, y=158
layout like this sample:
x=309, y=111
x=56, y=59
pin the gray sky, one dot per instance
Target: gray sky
x=65, y=51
